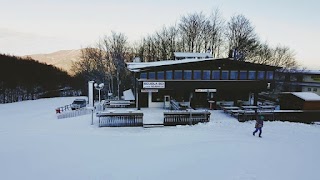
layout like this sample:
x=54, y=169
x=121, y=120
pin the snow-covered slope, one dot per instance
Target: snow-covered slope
x=35, y=145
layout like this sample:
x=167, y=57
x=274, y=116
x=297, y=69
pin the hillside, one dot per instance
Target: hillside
x=62, y=59
x=23, y=79
x=36, y=145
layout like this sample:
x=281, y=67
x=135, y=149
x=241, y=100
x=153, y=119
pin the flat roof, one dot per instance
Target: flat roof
x=136, y=66
x=186, y=54
x=307, y=96
x=302, y=71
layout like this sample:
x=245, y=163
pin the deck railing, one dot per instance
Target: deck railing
x=110, y=119
x=173, y=118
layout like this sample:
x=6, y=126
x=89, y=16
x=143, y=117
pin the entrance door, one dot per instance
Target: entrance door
x=166, y=102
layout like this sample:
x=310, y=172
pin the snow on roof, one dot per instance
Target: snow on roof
x=307, y=96
x=135, y=67
x=193, y=55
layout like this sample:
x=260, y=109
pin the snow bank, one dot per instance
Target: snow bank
x=36, y=145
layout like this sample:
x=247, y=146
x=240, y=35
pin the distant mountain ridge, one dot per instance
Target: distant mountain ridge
x=62, y=59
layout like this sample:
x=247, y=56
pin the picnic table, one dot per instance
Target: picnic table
x=228, y=109
x=267, y=107
x=249, y=107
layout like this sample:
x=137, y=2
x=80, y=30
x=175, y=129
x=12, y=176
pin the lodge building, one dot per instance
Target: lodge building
x=196, y=82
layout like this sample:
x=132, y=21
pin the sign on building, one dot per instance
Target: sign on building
x=149, y=90
x=154, y=85
x=205, y=90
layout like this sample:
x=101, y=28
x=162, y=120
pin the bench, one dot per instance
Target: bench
x=123, y=119
x=174, y=118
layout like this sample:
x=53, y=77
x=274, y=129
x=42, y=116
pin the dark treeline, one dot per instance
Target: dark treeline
x=27, y=79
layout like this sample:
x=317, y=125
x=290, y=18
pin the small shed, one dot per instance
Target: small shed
x=299, y=101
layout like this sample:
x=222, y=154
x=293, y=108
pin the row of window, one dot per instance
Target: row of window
x=208, y=75
x=314, y=89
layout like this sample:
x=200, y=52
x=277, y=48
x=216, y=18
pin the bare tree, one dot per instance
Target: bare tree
x=241, y=36
x=281, y=56
x=105, y=62
x=191, y=27
x=117, y=50
x=216, y=32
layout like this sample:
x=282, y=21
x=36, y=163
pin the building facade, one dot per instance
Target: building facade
x=196, y=82
x=299, y=81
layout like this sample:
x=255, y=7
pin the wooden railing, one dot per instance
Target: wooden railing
x=173, y=118
x=110, y=119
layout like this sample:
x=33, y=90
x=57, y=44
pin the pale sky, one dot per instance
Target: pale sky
x=44, y=26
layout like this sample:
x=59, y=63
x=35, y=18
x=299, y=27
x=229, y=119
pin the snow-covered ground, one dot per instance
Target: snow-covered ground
x=35, y=145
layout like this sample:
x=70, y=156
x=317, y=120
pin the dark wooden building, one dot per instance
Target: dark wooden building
x=194, y=82
x=299, y=101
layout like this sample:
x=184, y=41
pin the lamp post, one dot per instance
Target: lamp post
x=99, y=87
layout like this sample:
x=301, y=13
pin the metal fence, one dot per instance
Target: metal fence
x=74, y=113
x=174, y=118
x=107, y=119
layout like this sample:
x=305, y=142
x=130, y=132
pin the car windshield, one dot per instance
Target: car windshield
x=78, y=102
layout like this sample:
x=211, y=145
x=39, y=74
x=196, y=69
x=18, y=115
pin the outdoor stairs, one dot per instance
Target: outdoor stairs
x=152, y=125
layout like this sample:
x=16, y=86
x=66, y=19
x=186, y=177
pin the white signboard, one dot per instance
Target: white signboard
x=205, y=90
x=149, y=90
x=154, y=85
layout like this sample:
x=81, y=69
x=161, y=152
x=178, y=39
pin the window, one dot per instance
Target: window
x=160, y=75
x=293, y=77
x=269, y=75
x=216, y=74
x=225, y=75
x=187, y=74
x=243, y=75
x=233, y=75
x=152, y=75
x=261, y=75
x=252, y=75
x=196, y=74
x=206, y=74
x=177, y=74
x=315, y=89
x=143, y=75
x=169, y=75
x=309, y=89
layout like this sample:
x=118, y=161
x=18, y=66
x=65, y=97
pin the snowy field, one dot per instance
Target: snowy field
x=35, y=145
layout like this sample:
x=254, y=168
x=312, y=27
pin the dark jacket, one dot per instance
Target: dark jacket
x=259, y=123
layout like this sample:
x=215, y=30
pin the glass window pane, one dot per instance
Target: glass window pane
x=160, y=75
x=187, y=74
x=270, y=75
x=169, y=75
x=177, y=74
x=197, y=74
x=216, y=74
x=233, y=75
x=143, y=76
x=252, y=75
x=261, y=75
x=225, y=75
x=206, y=74
x=152, y=75
x=243, y=75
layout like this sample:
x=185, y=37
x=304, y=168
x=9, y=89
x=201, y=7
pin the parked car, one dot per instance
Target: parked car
x=78, y=103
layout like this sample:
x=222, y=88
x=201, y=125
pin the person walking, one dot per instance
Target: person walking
x=259, y=125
